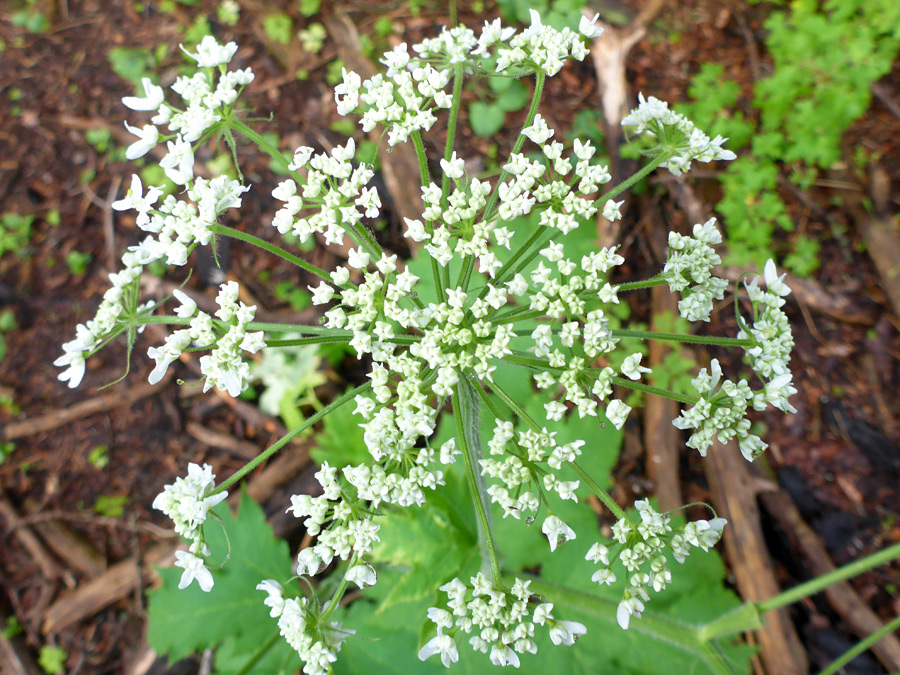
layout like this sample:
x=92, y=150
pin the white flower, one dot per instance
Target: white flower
x=617, y=413
x=454, y=168
x=179, y=162
x=210, y=54
x=538, y=132
x=501, y=655
x=194, y=568
x=135, y=199
x=148, y=136
x=443, y=645
x=153, y=97
x=557, y=531
x=321, y=294
x=362, y=575
x=774, y=283
x=628, y=607
x=74, y=373
x=589, y=27
x=611, y=210
x=566, y=632
x=275, y=601
x=188, y=307
x=632, y=368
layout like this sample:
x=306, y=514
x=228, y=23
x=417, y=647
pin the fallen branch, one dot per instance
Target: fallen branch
x=399, y=165
x=99, y=404
x=45, y=562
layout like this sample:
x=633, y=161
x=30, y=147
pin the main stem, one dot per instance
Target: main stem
x=466, y=432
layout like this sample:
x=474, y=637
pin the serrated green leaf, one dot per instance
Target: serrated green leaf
x=189, y=620
x=426, y=544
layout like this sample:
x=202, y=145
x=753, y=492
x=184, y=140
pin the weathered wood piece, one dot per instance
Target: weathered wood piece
x=734, y=491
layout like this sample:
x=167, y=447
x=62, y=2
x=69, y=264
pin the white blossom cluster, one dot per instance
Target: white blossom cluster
x=529, y=461
x=498, y=620
x=175, y=226
x=771, y=329
x=421, y=342
x=332, y=188
x=641, y=549
x=721, y=409
x=688, y=271
x=187, y=502
x=675, y=136
x=315, y=639
x=224, y=367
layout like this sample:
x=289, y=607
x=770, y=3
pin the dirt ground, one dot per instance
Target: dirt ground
x=837, y=458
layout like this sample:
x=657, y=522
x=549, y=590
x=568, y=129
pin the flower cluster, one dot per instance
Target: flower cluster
x=493, y=300
x=316, y=639
x=529, y=459
x=721, y=408
x=641, y=549
x=187, y=502
x=224, y=367
x=175, y=226
x=675, y=136
x=688, y=271
x=332, y=188
x=499, y=620
x=771, y=330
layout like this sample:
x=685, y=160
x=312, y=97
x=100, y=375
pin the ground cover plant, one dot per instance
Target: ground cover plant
x=443, y=342
x=111, y=465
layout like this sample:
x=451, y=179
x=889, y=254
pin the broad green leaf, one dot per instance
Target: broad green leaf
x=341, y=440
x=189, y=620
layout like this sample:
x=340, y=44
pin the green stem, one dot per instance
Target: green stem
x=258, y=654
x=271, y=248
x=602, y=494
x=293, y=433
x=465, y=411
x=812, y=586
x=679, y=337
x=656, y=391
x=635, y=285
x=861, y=646
x=451, y=128
x=277, y=156
x=338, y=339
x=514, y=258
x=426, y=180
x=640, y=175
x=339, y=593
x=520, y=141
x=314, y=340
